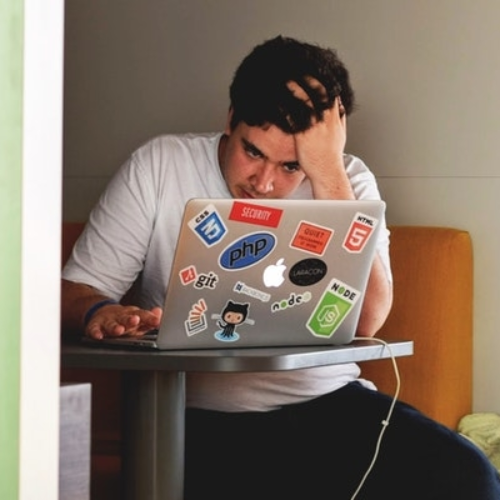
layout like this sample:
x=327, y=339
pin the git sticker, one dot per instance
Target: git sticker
x=335, y=304
x=359, y=232
x=311, y=238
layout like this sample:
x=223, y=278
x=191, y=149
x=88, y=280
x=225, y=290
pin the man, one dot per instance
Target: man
x=302, y=434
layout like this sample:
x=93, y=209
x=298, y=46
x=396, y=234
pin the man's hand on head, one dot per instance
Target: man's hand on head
x=320, y=148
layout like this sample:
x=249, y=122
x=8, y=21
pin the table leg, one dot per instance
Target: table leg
x=153, y=435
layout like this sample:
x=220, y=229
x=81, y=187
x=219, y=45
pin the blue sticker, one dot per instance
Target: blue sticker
x=208, y=226
x=247, y=251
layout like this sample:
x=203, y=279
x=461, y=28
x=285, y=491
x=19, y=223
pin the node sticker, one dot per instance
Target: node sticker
x=333, y=307
x=311, y=238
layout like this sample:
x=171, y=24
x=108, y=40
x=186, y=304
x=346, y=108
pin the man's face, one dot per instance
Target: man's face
x=259, y=162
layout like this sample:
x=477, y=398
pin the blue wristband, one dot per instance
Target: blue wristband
x=95, y=308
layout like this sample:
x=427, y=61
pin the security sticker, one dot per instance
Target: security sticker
x=359, y=232
x=333, y=307
x=252, y=213
x=208, y=226
x=311, y=238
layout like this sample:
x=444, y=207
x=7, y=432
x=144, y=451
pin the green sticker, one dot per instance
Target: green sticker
x=333, y=307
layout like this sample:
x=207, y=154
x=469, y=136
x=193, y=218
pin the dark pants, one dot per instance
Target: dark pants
x=321, y=450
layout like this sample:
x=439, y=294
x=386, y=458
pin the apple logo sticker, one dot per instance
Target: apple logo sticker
x=273, y=274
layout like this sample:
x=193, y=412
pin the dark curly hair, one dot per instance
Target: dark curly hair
x=259, y=94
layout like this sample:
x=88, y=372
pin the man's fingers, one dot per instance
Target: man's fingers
x=309, y=90
x=299, y=92
x=133, y=322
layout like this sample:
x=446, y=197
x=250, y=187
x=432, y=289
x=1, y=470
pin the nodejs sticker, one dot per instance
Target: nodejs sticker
x=333, y=307
x=307, y=272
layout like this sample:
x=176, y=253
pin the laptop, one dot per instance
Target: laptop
x=262, y=273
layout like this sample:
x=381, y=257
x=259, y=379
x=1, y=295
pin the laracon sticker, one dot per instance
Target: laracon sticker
x=208, y=226
x=307, y=272
x=255, y=214
x=359, y=232
x=311, y=238
x=332, y=309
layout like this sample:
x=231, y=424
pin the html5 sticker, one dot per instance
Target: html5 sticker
x=359, y=232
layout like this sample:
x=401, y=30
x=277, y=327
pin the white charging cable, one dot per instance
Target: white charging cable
x=387, y=419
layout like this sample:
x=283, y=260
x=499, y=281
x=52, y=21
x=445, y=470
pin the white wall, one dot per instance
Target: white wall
x=426, y=75
x=41, y=245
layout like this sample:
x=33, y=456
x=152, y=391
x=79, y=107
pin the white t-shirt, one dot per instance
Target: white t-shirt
x=131, y=236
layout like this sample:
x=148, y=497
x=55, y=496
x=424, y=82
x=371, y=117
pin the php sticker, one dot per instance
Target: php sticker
x=247, y=251
x=359, y=232
x=333, y=307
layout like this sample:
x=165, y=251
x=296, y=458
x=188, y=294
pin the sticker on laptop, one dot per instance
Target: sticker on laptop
x=273, y=275
x=189, y=275
x=331, y=310
x=241, y=287
x=311, y=238
x=197, y=320
x=359, y=232
x=294, y=299
x=208, y=226
x=247, y=251
x=307, y=272
x=233, y=315
x=252, y=213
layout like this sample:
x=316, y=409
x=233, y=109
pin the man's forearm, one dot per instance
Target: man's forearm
x=76, y=300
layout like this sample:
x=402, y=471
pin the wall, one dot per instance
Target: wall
x=426, y=75
x=31, y=42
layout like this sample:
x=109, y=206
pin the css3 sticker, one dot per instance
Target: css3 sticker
x=335, y=304
x=208, y=226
